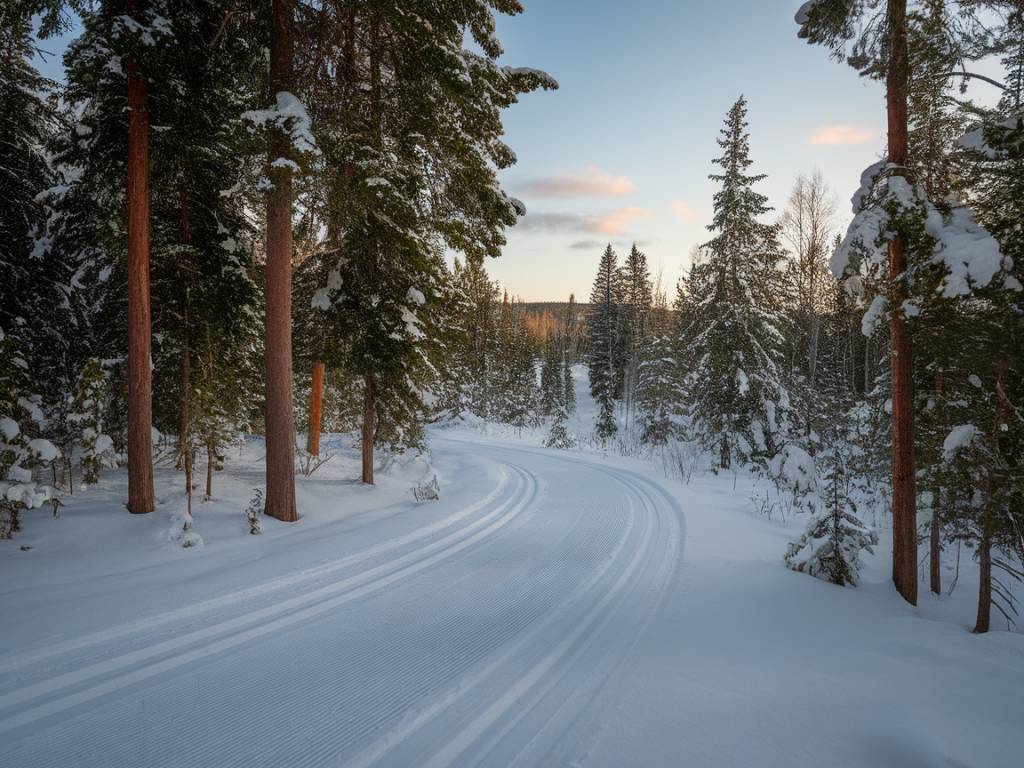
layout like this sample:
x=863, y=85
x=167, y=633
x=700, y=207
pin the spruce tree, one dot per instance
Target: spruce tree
x=736, y=401
x=603, y=342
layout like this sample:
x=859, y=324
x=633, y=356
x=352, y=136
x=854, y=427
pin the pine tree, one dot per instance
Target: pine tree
x=635, y=319
x=410, y=128
x=552, y=384
x=735, y=397
x=830, y=547
x=657, y=391
x=603, y=342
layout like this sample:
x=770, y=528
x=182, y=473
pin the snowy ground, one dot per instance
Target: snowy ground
x=552, y=609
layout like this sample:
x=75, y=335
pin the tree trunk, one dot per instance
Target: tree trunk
x=904, y=495
x=935, y=543
x=985, y=545
x=984, y=575
x=210, y=449
x=369, y=431
x=316, y=409
x=280, y=501
x=140, y=394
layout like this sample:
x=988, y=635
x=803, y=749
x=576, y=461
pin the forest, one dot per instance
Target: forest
x=269, y=222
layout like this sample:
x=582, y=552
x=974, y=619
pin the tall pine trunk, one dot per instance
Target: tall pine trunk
x=280, y=500
x=211, y=451
x=904, y=494
x=984, y=574
x=935, y=543
x=140, y=386
x=985, y=545
x=369, y=430
x=316, y=409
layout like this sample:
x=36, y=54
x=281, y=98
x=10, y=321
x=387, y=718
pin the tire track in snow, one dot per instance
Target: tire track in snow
x=116, y=673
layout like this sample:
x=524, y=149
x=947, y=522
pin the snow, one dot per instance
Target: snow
x=289, y=114
x=9, y=428
x=959, y=437
x=803, y=14
x=969, y=255
x=550, y=608
x=44, y=450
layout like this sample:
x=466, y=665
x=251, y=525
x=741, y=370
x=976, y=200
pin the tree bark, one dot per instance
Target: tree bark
x=935, y=544
x=210, y=450
x=904, y=494
x=140, y=387
x=369, y=430
x=984, y=575
x=280, y=502
x=985, y=545
x=316, y=409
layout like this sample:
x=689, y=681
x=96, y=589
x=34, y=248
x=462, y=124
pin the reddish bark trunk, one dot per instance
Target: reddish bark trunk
x=904, y=494
x=140, y=395
x=369, y=431
x=985, y=545
x=935, y=544
x=280, y=502
x=316, y=409
x=984, y=576
x=209, y=471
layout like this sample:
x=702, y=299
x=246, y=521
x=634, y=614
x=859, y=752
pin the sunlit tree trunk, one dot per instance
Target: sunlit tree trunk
x=316, y=409
x=140, y=388
x=904, y=494
x=280, y=500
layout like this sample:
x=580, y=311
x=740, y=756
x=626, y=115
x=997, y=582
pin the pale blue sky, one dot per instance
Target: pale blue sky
x=644, y=88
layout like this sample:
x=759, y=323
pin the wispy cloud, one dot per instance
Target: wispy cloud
x=588, y=245
x=834, y=135
x=587, y=182
x=614, y=222
x=599, y=245
x=682, y=209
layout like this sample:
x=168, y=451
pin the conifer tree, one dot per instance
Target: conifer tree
x=635, y=315
x=603, y=342
x=735, y=397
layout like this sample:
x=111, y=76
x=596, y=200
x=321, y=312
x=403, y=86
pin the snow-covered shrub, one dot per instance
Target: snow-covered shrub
x=430, y=491
x=253, y=512
x=830, y=547
x=20, y=455
x=182, y=531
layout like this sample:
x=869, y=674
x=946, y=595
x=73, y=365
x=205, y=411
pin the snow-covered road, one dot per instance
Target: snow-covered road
x=480, y=630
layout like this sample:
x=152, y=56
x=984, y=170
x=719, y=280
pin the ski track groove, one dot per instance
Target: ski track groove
x=228, y=634
x=284, y=583
x=543, y=637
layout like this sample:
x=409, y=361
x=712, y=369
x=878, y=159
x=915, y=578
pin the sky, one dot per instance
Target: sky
x=621, y=152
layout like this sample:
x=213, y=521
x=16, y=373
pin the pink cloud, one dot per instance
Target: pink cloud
x=615, y=222
x=587, y=182
x=682, y=209
x=834, y=135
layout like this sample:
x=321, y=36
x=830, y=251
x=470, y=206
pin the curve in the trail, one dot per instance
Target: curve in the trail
x=291, y=581
x=482, y=643
x=192, y=646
